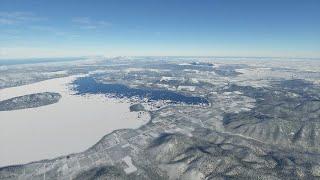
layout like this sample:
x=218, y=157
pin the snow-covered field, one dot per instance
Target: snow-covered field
x=72, y=125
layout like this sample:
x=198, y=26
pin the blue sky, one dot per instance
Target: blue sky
x=52, y=28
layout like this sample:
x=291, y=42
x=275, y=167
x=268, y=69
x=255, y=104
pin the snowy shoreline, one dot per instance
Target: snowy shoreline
x=72, y=125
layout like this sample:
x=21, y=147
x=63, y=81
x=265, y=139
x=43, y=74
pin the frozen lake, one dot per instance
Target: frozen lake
x=72, y=125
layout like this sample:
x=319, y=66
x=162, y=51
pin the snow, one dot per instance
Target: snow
x=72, y=125
x=131, y=167
x=187, y=88
x=184, y=64
x=165, y=78
x=55, y=73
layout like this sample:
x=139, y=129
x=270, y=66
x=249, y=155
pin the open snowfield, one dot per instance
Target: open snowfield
x=72, y=125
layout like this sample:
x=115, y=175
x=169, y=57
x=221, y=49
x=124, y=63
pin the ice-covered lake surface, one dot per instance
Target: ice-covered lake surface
x=72, y=125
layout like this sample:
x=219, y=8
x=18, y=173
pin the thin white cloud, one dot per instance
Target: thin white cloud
x=104, y=23
x=6, y=21
x=49, y=29
x=81, y=20
x=10, y=18
x=87, y=23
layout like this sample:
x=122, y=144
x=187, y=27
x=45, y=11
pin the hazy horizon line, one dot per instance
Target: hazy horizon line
x=171, y=56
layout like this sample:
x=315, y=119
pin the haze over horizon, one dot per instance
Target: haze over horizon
x=267, y=28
